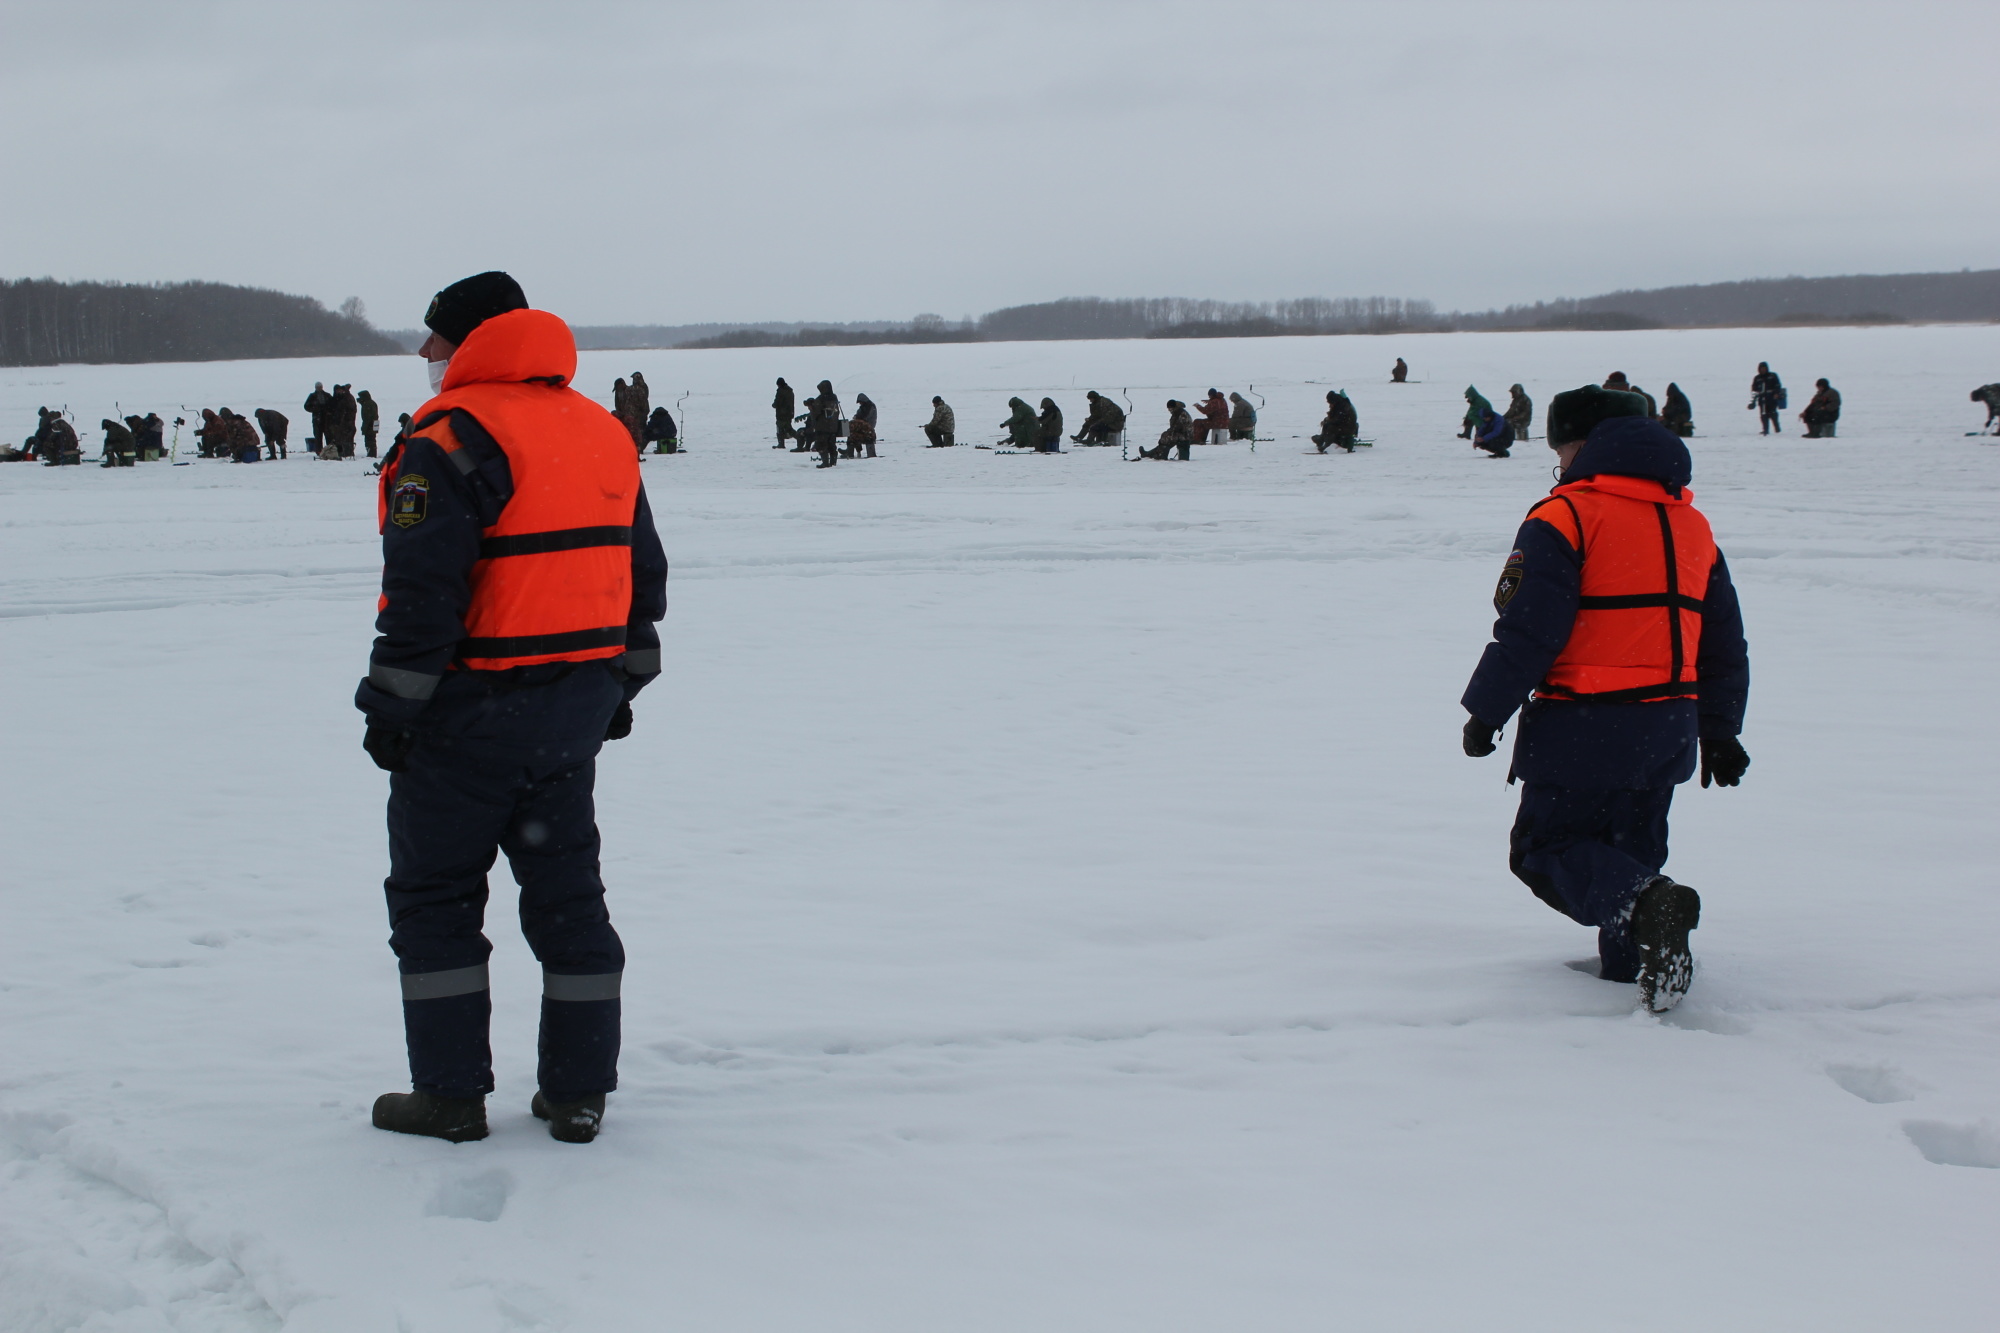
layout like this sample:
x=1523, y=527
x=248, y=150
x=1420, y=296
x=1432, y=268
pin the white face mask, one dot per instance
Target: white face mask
x=437, y=369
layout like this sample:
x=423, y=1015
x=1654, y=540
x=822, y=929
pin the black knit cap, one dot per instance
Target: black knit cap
x=1572, y=415
x=462, y=307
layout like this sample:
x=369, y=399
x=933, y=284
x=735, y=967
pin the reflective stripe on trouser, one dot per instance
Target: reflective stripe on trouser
x=444, y=985
x=459, y=803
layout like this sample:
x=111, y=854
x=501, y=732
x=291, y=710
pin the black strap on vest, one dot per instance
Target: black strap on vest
x=562, y=539
x=1637, y=694
x=1635, y=600
x=535, y=645
x=1678, y=650
x=1673, y=600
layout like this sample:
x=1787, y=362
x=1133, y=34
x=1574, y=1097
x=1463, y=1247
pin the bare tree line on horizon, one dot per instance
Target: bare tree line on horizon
x=46, y=322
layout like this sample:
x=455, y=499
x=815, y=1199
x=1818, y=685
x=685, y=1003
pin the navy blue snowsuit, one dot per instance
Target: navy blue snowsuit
x=504, y=761
x=1598, y=777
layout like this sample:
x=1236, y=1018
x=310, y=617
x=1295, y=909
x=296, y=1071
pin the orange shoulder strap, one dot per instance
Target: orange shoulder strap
x=1573, y=533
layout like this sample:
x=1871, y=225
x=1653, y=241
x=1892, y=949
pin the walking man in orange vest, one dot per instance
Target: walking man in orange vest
x=521, y=583
x=1621, y=644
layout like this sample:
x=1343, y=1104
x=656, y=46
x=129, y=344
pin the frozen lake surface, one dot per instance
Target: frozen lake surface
x=1054, y=892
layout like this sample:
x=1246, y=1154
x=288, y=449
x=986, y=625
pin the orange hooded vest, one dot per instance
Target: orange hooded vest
x=553, y=582
x=1646, y=561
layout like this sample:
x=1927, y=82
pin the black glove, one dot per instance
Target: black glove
x=1479, y=738
x=389, y=747
x=621, y=724
x=1724, y=760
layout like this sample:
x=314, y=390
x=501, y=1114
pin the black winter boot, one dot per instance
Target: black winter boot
x=453, y=1119
x=570, y=1122
x=1661, y=919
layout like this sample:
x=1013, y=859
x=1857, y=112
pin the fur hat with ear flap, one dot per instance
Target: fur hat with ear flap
x=1574, y=414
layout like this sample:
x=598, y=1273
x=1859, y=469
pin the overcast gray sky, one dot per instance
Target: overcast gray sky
x=672, y=163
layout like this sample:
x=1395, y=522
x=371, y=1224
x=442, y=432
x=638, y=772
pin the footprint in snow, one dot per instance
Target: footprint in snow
x=1956, y=1145
x=1872, y=1083
x=478, y=1197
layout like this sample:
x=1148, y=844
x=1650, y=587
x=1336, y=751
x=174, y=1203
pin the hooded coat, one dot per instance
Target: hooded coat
x=1106, y=417
x=861, y=426
x=118, y=439
x=1242, y=417
x=340, y=416
x=1051, y=427
x=1214, y=410
x=1586, y=744
x=505, y=452
x=1024, y=428
x=823, y=416
x=1341, y=423
x=1476, y=407
x=213, y=433
x=1678, y=414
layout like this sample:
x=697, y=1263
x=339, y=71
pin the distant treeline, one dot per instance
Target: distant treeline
x=1897, y=298
x=1182, y=317
x=922, y=329
x=1893, y=299
x=44, y=323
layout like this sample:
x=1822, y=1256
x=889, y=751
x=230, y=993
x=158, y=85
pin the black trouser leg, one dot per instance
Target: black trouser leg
x=552, y=845
x=524, y=785
x=1587, y=853
x=446, y=818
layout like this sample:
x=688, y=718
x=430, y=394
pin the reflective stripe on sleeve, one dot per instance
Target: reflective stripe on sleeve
x=444, y=985
x=403, y=684
x=591, y=986
x=642, y=662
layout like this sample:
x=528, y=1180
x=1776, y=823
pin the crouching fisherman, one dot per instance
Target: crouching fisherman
x=521, y=579
x=1340, y=426
x=1495, y=434
x=1618, y=617
x=1104, y=424
x=1179, y=434
x=661, y=433
x=941, y=429
x=121, y=447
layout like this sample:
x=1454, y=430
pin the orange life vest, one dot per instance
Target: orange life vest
x=1646, y=561
x=553, y=582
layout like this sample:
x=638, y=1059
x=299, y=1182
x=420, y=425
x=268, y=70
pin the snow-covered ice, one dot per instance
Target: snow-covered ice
x=1054, y=892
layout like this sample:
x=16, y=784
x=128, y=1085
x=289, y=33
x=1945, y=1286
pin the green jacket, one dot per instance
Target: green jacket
x=1476, y=406
x=1024, y=428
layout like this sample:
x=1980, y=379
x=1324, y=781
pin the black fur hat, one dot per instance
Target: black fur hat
x=462, y=307
x=1572, y=415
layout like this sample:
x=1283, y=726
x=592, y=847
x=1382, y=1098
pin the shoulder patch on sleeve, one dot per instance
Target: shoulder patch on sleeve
x=1510, y=579
x=410, y=501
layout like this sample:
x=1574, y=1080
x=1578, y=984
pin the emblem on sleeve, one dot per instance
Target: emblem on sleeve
x=1510, y=580
x=410, y=501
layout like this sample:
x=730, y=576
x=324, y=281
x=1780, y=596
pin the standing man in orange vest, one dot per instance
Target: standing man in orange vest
x=1618, y=617
x=521, y=583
